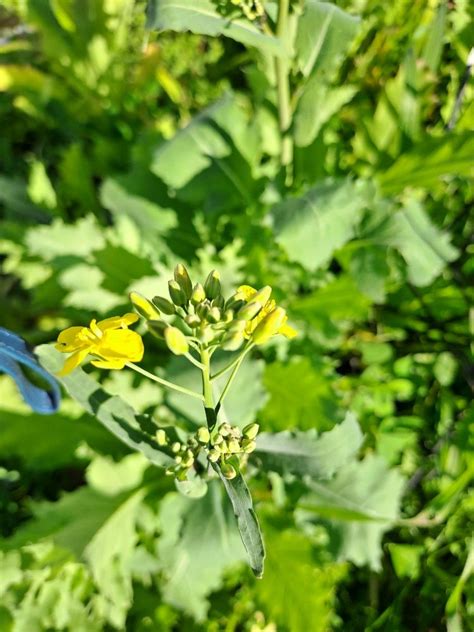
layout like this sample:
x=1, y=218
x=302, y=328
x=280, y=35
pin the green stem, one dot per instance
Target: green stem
x=194, y=361
x=283, y=91
x=163, y=382
x=231, y=365
x=211, y=414
x=232, y=376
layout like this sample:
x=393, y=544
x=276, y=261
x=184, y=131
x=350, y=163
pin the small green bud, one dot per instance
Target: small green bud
x=203, y=435
x=178, y=459
x=214, y=315
x=225, y=430
x=161, y=437
x=249, y=310
x=228, y=316
x=181, y=277
x=143, y=306
x=202, y=310
x=181, y=473
x=235, y=302
x=269, y=326
x=213, y=456
x=164, y=305
x=248, y=447
x=198, y=294
x=177, y=294
x=233, y=341
x=219, y=302
x=228, y=471
x=170, y=470
x=212, y=286
x=175, y=447
x=192, y=320
x=251, y=431
x=234, y=446
x=218, y=439
x=189, y=459
x=157, y=328
x=176, y=341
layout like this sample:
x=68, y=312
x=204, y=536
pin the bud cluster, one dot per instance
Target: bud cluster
x=206, y=317
x=252, y=9
x=225, y=445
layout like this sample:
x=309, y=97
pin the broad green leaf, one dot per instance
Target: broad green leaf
x=361, y=502
x=324, y=33
x=247, y=521
x=58, y=238
x=307, y=454
x=317, y=104
x=297, y=593
x=301, y=397
x=199, y=542
x=311, y=227
x=111, y=411
x=201, y=16
x=428, y=161
x=369, y=269
x=424, y=247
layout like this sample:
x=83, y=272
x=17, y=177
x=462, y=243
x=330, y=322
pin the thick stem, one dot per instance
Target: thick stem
x=163, y=382
x=232, y=376
x=232, y=364
x=283, y=91
x=211, y=415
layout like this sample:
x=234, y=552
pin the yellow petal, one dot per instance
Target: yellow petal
x=288, y=331
x=73, y=362
x=247, y=291
x=109, y=364
x=117, y=322
x=70, y=338
x=120, y=343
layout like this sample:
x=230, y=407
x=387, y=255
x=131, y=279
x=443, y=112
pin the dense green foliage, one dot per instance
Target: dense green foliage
x=324, y=153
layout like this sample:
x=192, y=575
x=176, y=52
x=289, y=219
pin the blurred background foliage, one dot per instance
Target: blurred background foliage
x=125, y=150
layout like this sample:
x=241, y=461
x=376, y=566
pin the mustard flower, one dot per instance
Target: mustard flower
x=270, y=313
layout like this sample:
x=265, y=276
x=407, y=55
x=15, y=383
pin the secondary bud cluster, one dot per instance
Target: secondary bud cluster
x=226, y=445
x=201, y=313
x=252, y=9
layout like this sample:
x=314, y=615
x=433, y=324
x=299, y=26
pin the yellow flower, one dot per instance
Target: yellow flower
x=246, y=293
x=109, y=340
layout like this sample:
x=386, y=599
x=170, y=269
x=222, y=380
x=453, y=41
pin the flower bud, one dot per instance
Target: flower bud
x=235, y=302
x=269, y=326
x=228, y=471
x=203, y=435
x=219, y=302
x=248, y=446
x=212, y=286
x=213, y=456
x=164, y=305
x=198, y=294
x=181, y=277
x=233, y=341
x=202, y=310
x=143, y=306
x=161, y=437
x=225, y=430
x=214, y=315
x=192, y=320
x=175, y=447
x=249, y=310
x=157, y=328
x=177, y=294
x=176, y=341
x=263, y=295
x=251, y=431
x=234, y=446
x=228, y=316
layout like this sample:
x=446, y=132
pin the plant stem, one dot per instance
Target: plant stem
x=283, y=91
x=211, y=414
x=163, y=382
x=194, y=361
x=232, y=376
x=232, y=364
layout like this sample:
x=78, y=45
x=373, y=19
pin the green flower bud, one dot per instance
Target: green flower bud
x=228, y=471
x=157, y=328
x=198, y=294
x=170, y=470
x=228, y=316
x=176, y=341
x=203, y=435
x=192, y=320
x=225, y=430
x=234, y=446
x=249, y=310
x=212, y=286
x=236, y=301
x=248, y=446
x=161, y=437
x=218, y=439
x=164, y=305
x=175, y=447
x=269, y=326
x=202, y=310
x=251, y=431
x=214, y=315
x=233, y=340
x=178, y=459
x=181, y=277
x=143, y=306
x=177, y=294
x=263, y=295
x=219, y=302
x=213, y=456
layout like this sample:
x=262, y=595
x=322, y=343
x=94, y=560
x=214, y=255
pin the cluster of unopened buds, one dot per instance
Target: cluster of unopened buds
x=226, y=445
x=252, y=9
x=210, y=319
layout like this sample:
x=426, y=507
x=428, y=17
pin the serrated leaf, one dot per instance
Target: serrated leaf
x=306, y=453
x=200, y=541
x=311, y=227
x=428, y=161
x=201, y=16
x=59, y=239
x=247, y=521
x=295, y=591
x=362, y=502
x=324, y=34
x=111, y=411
